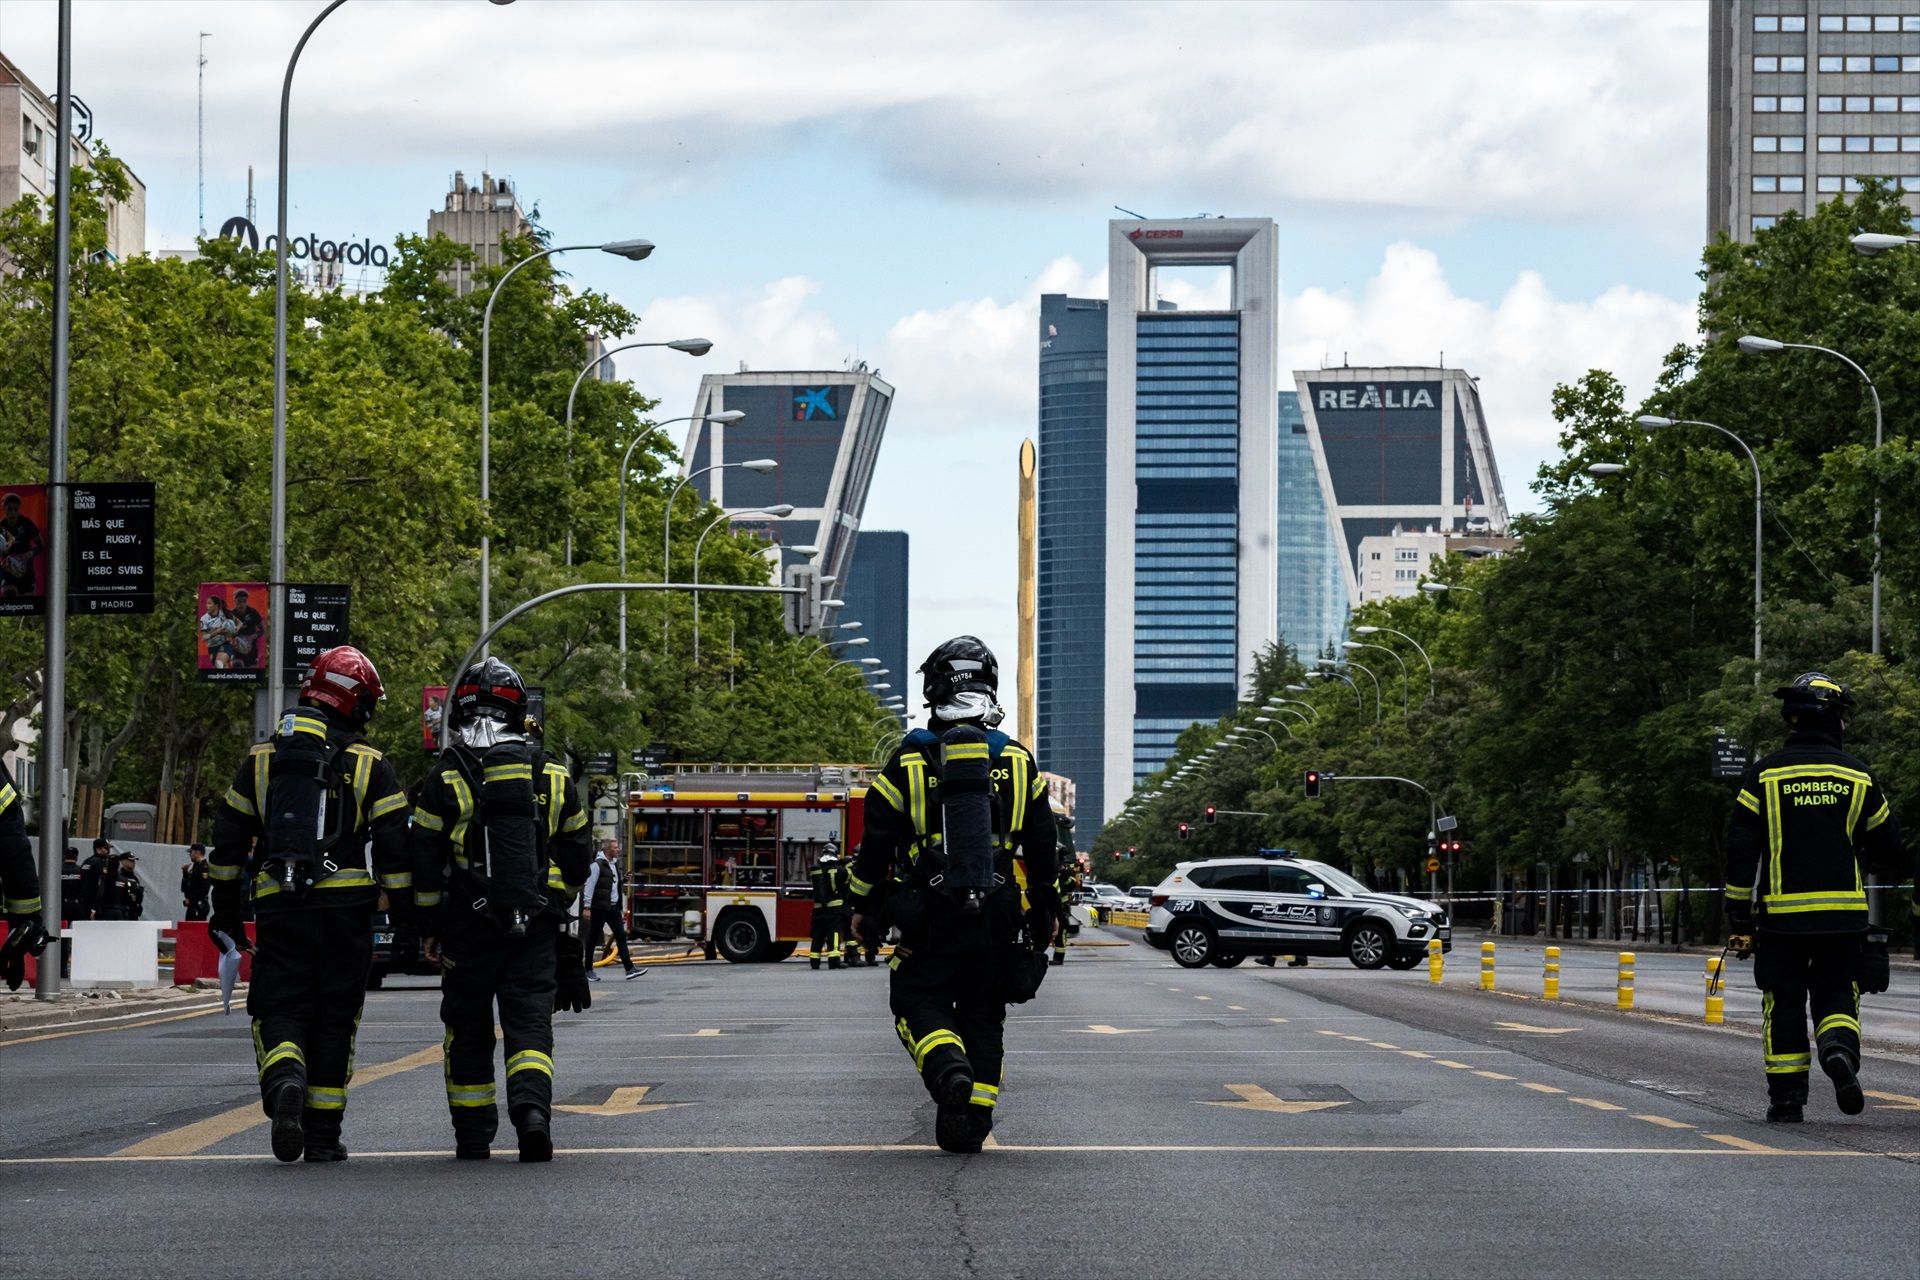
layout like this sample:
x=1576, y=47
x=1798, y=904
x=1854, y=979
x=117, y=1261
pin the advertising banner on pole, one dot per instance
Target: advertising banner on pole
x=316, y=622
x=23, y=550
x=233, y=632
x=110, y=548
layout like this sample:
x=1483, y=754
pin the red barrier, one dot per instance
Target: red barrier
x=195, y=955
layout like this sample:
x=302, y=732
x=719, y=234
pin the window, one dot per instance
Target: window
x=1793, y=183
x=1373, y=555
x=1886, y=144
x=29, y=136
x=1910, y=64
x=1766, y=64
x=1828, y=22
x=1239, y=879
x=1910, y=104
x=1406, y=554
x=1406, y=575
x=1769, y=22
x=1289, y=880
x=1859, y=22
x=1886, y=103
x=1829, y=104
x=1829, y=63
x=1762, y=183
x=1886, y=62
x=1856, y=143
x=1796, y=22
x=1910, y=143
x=1762, y=223
x=1859, y=63
x=1828, y=142
x=1795, y=63
x=1859, y=102
x=1910, y=23
x=1766, y=104
x=1886, y=22
x=1373, y=576
x=1793, y=104
x=1766, y=144
x=1828, y=185
x=1792, y=142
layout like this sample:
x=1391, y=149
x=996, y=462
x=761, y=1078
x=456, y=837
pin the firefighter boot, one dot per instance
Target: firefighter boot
x=1839, y=1066
x=327, y=1152
x=287, y=1107
x=954, y=1127
x=536, y=1137
x=1787, y=1098
x=323, y=1137
x=1784, y=1113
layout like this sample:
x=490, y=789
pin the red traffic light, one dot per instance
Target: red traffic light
x=1210, y=813
x=1313, y=784
x=1184, y=830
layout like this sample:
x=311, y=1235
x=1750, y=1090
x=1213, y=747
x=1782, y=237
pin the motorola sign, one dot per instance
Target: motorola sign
x=364, y=254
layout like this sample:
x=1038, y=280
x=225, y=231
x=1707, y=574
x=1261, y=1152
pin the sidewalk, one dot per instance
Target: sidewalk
x=22, y=1011
x=1470, y=940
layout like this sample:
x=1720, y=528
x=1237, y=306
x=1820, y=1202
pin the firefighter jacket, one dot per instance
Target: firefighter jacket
x=829, y=887
x=448, y=840
x=19, y=878
x=375, y=816
x=903, y=819
x=1809, y=824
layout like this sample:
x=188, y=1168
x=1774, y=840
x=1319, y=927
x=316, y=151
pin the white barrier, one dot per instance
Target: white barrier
x=116, y=952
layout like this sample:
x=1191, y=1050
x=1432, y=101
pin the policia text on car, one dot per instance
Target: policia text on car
x=1809, y=826
x=958, y=861
x=500, y=850
x=295, y=829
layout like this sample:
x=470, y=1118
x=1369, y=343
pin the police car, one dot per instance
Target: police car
x=1223, y=910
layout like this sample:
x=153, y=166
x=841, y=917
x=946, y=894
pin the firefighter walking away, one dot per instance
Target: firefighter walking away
x=500, y=849
x=959, y=863
x=1809, y=826
x=294, y=832
x=829, y=925
x=19, y=889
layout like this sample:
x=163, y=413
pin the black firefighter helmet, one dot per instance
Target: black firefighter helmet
x=490, y=690
x=961, y=665
x=1814, y=699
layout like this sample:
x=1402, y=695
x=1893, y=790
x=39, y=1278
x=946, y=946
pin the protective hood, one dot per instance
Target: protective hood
x=480, y=734
x=972, y=704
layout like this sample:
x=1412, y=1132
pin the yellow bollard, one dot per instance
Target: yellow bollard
x=1625, y=982
x=1716, y=987
x=1486, y=966
x=1436, y=960
x=1550, y=985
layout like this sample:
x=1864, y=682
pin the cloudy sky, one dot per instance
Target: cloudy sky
x=1520, y=185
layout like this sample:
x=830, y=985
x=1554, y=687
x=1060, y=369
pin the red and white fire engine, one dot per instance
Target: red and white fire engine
x=720, y=853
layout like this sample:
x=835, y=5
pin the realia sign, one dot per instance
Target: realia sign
x=364, y=254
x=1369, y=395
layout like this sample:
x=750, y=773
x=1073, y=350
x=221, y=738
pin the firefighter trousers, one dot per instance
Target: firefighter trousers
x=309, y=983
x=829, y=930
x=946, y=1016
x=1796, y=972
x=484, y=968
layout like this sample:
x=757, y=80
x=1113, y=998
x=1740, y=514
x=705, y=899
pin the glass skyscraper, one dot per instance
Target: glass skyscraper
x=1071, y=604
x=1313, y=589
x=876, y=596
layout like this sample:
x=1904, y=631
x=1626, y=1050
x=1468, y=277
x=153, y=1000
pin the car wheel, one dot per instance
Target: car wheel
x=1225, y=962
x=741, y=937
x=1368, y=945
x=1192, y=945
x=1404, y=962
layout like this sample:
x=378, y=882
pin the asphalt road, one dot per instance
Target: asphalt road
x=1155, y=1121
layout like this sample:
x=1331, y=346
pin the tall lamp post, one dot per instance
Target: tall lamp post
x=1328, y=662
x=633, y=251
x=1351, y=645
x=1757, y=346
x=1367, y=631
x=1652, y=423
x=780, y=512
x=692, y=346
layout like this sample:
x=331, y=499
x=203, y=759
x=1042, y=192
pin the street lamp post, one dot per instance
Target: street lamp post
x=1367, y=631
x=1295, y=702
x=633, y=251
x=1370, y=676
x=852, y=662
x=780, y=512
x=1754, y=345
x=1653, y=423
x=692, y=346
x=1441, y=588
x=1351, y=645
x=759, y=466
x=1358, y=703
x=1287, y=728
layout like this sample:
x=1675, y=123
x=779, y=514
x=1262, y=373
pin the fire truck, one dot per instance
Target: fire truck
x=719, y=854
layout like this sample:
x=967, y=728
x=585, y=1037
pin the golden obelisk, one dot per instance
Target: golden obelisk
x=1029, y=572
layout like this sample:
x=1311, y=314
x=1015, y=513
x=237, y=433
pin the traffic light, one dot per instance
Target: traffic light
x=1185, y=831
x=1129, y=853
x=1453, y=845
x=1313, y=784
x=1210, y=813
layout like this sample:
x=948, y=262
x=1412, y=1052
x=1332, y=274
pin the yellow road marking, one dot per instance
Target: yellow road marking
x=194, y=1138
x=1382, y=1044
x=626, y=1101
x=703, y=1033
x=117, y=1026
x=1449, y=1062
x=1282, y=1021
x=990, y=1144
x=1254, y=1098
x=1540, y=1088
x=1415, y=1053
x=1492, y=1075
x=1102, y=1029
x=1898, y=1101
x=1596, y=1104
x=1203, y=997
x=1238, y=1008
x=1530, y=1029
x=1327, y=1033
x=1743, y=1144
x=1664, y=1123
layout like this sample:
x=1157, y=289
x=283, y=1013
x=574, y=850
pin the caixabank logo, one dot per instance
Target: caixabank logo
x=363, y=254
x=816, y=404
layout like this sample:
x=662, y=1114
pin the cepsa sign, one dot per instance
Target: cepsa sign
x=1157, y=233
x=364, y=254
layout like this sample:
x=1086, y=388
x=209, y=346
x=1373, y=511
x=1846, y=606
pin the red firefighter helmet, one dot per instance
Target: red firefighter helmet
x=345, y=679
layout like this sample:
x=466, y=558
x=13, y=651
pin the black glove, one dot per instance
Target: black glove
x=571, y=991
x=26, y=936
x=1740, y=917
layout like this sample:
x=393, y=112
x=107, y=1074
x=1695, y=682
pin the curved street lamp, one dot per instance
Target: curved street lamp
x=1351, y=645
x=1652, y=423
x=778, y=512
x=1367, y=631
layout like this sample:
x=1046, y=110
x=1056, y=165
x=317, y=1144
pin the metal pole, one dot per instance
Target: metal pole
x=580, y=377
x=1757, y=530
x=666, y=545
x=626, y=465
x=277, y=555
x=53, y=690
x=1877, y=440
x=1404, y=677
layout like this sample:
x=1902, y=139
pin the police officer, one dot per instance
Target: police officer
x=96, y=879
x=195, y=887
x=19, y=888
x=1808, y=826
x=829, y=883
x=959, y=854
x=1065, y=885
x=293, y=833
x=129, y=894
x=500, y=849
x=71, y=882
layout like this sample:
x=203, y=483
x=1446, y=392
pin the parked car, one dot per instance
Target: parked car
x=1111, y=897
x=396, y=949
x=1223, y=910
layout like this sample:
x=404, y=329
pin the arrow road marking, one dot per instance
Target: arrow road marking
x=626, y=1101
x=1102, y=1029
x=1530, y=1029
x=1254, y=1098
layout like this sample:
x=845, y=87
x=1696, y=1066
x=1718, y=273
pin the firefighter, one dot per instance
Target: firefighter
x=959, y=855
x=829, y=907
x=19, y=888
x=500, y=849
x=312, y=799
x=1809, y=824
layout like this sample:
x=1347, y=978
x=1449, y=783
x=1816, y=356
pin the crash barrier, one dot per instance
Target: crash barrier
x=1550, y=976
x=196, y=955
x=1127, y=919
x=1716, y=987
x=116, y=951
x=1623, y=990
x=1486, y=966
x=1436, y=960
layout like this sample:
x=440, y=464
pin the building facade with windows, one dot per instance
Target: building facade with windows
x=477, y=218
x=1191, y=488
x=1397, y=448
x=1312, y=593
x=1806, y=98
x=1394, y=564
x=29, y=125
x=824, y=428
x=876, y=596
